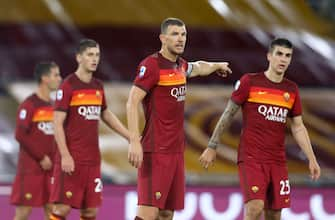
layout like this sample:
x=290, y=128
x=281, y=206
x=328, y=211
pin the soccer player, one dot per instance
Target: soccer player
x=34, y=132
x=268, y=100
x=80, y=103
x=160, y=85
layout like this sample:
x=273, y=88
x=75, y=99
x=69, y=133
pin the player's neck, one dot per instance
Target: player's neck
x=274, y=77
x=169, y=56
x=84, y=75
x=43, y=93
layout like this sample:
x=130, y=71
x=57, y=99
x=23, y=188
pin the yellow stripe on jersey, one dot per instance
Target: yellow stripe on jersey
x=43, y=114
x=285, y=100
x=171, y=79
x=86, y=97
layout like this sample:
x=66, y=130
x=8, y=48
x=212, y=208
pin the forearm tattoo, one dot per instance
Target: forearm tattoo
x=224, y=122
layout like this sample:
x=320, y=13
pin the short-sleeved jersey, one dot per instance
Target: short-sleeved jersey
x=265, y=107
x=34, y=132
x=83, y=103
x=165, y=84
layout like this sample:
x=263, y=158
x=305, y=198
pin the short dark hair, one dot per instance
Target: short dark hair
x=42, y=69
x=170, y=21
x=86, y=43
x=283, y=42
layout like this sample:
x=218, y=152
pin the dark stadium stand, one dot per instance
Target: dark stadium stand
x=42, y=33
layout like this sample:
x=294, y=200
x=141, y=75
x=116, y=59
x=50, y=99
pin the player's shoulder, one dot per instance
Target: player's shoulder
x=69, y=79
x=32, y=98
x=29, y=101
x=254, y=75
x=290, y=83
x=97, y=82
x=248, y=76
x=182, y=60
x=151, y=60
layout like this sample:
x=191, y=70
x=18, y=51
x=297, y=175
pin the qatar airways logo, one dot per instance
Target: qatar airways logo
x=273, y=113
x=46, y=127
x=90, y=112
x=179, y=93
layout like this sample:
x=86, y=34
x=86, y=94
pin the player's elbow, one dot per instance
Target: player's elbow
x=131, y=103
x=296, y=128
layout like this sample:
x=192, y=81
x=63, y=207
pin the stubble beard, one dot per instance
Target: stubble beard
x=174, y=52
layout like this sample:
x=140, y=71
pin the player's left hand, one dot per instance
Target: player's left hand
x=223, y=69
x=314, y=169
x=207, y=158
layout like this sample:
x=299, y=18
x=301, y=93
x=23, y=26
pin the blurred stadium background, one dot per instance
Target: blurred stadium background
x=237, y=31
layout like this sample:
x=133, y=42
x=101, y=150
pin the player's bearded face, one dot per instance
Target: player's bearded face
x=89, y=59
x=280, y=59
x=175, y=39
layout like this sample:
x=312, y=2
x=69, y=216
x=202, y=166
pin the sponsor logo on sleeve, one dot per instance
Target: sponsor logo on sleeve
x=59, y=95
x=23, y=114
x=142, y=71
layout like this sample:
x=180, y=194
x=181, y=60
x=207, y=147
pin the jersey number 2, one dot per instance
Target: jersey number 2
x=98, y=187
x=284, y=187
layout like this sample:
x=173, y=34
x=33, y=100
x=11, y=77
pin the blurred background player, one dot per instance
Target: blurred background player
x=267, y=100
x=160, y=85
x=34, y=132
x=80, y=103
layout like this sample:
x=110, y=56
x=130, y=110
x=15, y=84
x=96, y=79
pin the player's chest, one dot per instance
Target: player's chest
x=86, y=103
x=43, y=119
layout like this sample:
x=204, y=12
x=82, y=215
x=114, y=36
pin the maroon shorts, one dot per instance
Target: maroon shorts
x=31, y=189
x=267, y=182
x=82, y=189
x=161, y=181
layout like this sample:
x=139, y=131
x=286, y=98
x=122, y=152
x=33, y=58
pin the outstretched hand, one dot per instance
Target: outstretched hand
x=223, y=69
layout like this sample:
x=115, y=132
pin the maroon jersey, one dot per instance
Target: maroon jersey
x=34, y=132
x=83, y=103
x=265, y=107
x=165, y=84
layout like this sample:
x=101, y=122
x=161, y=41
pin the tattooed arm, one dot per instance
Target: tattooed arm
x=224, y=121
x=208, y=156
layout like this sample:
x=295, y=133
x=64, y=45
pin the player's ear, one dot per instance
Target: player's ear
x=78, y=57
x=268, y=55
x=45, y=78
x=162, y=38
